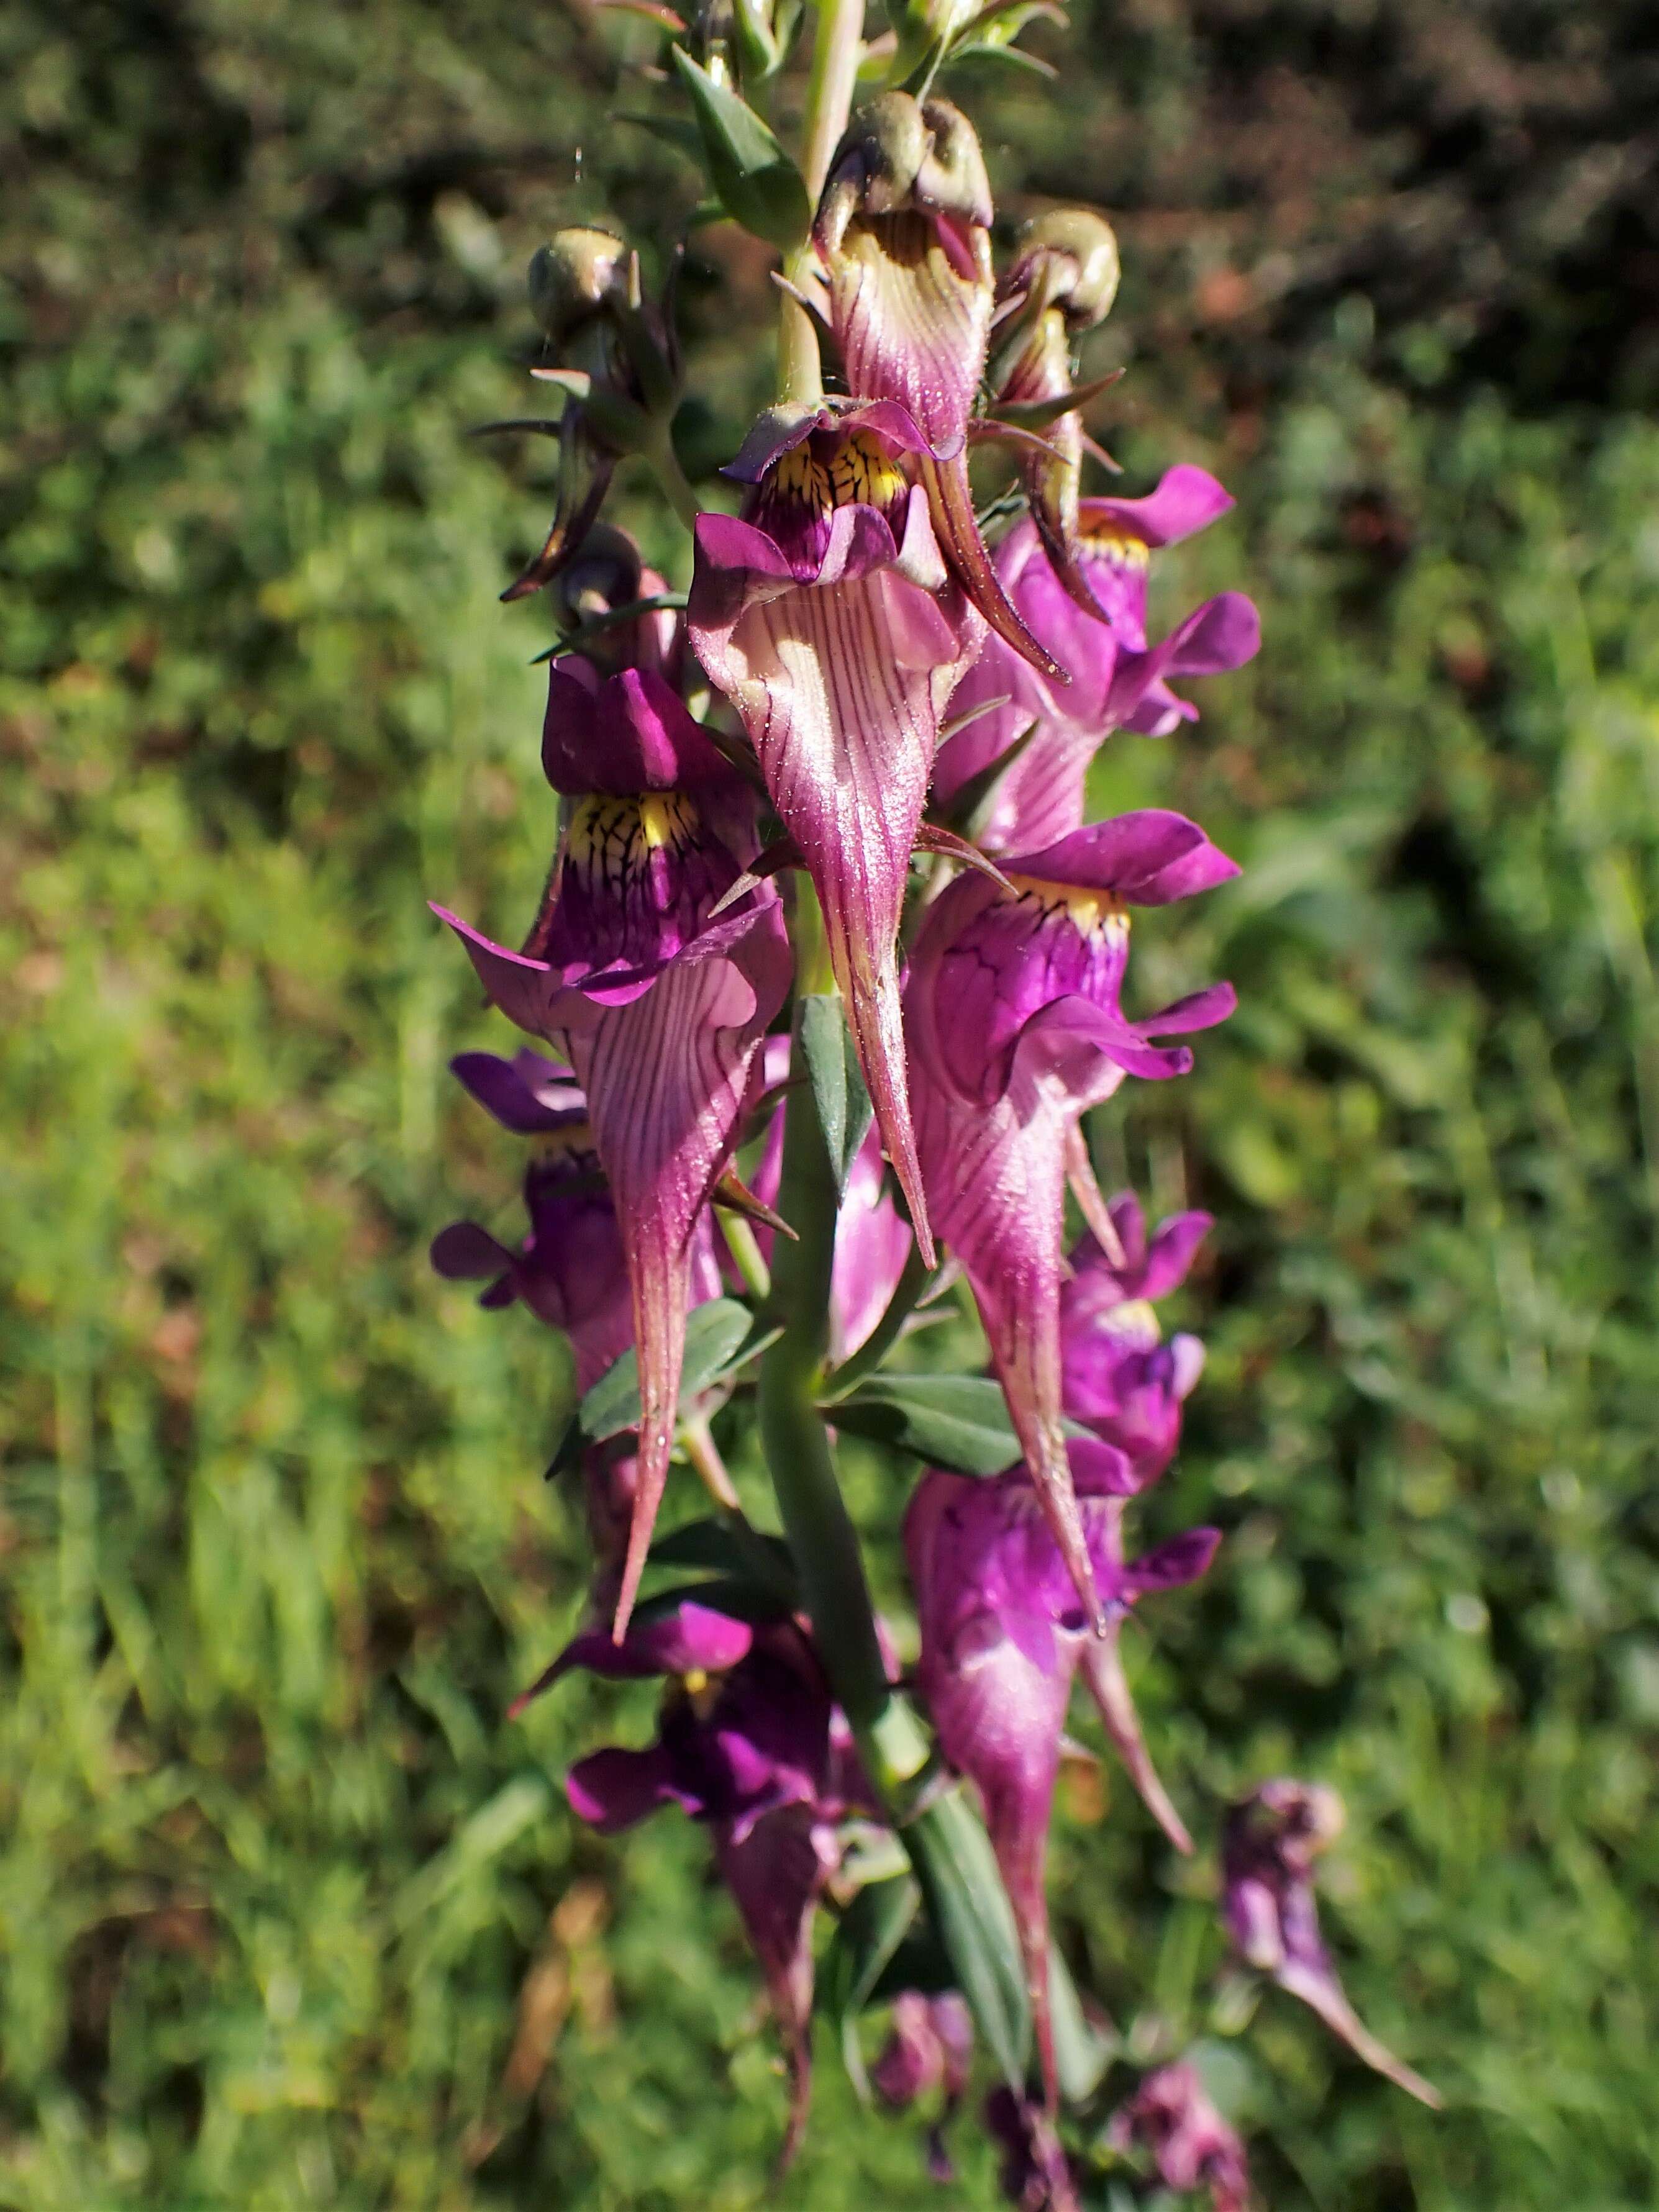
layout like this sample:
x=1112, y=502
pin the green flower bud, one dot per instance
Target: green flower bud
x=580, y=275
x=1072, y=254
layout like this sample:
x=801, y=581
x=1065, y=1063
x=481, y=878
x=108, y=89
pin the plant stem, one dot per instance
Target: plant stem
x=821, y=1535
x=697, y=1441
x=886, y=1333
x=797, y=1444
x=747, y=1256
x=828, y=101
x=671, y=479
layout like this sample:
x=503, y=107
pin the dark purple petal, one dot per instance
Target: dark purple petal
x=1216, y=638
x=781, y=429
x=777, y=1873
x=527, y=1094
x=464, y=1253
x=1173, y=1564
x=692, y=1640
x=613, y=1790
x=622, y=734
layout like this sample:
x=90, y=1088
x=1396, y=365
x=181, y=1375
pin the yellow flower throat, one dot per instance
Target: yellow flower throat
x=859, y=470
x=613, y=835
x=1090, y=913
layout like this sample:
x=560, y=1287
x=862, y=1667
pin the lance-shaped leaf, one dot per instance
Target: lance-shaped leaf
x=759, y=185
x=844, y=1105
x=958, y=1421
x=715, y=1335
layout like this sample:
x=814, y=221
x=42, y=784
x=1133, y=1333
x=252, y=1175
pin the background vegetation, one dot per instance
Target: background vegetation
x=288, y=1916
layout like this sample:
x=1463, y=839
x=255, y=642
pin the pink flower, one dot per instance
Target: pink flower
x=1118, y=679
x=1016, y=1028
x=659, y=1009
x=827, y=619
x=1001, y=1635
x=1268, y=1849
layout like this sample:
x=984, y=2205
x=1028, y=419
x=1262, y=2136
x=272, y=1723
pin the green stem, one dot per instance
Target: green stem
x=885, y=1334
x=815, y=1517
x=829, y=89
x=821, y=1536
x=746, y=1254
x=671, y=478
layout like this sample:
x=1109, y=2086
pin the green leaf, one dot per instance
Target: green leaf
x=740, y=1597
x=1082, y=2054
x=958, y=1421
x=868, y=1934
x=759, y=185
x=715, y=1335
x=838, y=1087
x=673, y=129
x=969, y=1911
x=982, y=49
x=728, y=1546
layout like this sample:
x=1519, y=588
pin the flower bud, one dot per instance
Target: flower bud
x=1072, y=252
x=578, y=276
x=604, y=574
x=952, y=179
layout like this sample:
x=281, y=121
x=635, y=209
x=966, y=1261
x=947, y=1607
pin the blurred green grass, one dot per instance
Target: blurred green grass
x=288, y=1916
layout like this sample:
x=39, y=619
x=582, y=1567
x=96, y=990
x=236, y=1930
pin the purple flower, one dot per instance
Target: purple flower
x=1268, y=1849
x=1016, y=1028
x=825, y=619
x=1118, y=680
x=569, y=1270
x=659, y=1009
x=903, y=229
x=1035, y=2173
x=1172, y=2121
x=747, y=1746
x=929, y=2047
x=1118, y=1376
x=1002, y=1632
